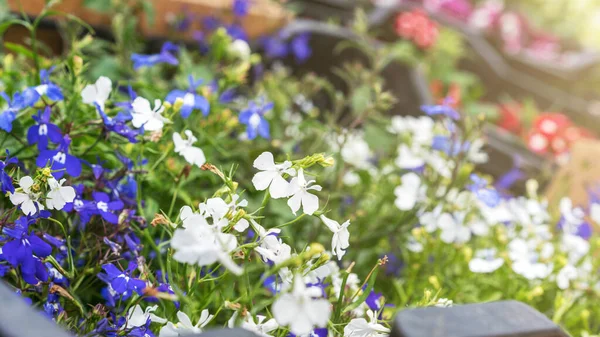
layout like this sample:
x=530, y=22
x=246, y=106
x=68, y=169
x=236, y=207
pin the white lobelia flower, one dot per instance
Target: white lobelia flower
x=137, y=317
x=408, y=159
x=595, y=212
x=360, y=327
x=192, y=154
x=301, y=309
x=260, y=327
x=185, y=326
x=299, y=188
x=475, y=153
x=564, y=277
x=409, y=192
x=98, y=92
x=453, y=229
x=28, y=200
x=444, y=303
x=59, y=195
x=144, y=115
x=271, y=175
x=341, y=236
x=573, y=216
x=527, y=261
x=202, y=244
x=485, y=261
x=241, y=49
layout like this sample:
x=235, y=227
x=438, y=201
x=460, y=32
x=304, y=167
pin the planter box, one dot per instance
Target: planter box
x=264, y=17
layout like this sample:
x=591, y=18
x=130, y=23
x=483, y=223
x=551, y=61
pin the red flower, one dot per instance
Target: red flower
x=416, y=26
x=510, y=119
x=537, y=142
x=550, y=124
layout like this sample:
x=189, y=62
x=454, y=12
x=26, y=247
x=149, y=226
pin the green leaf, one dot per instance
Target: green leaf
x=5, y=25
x=365, y=293
x=103, y=6
x=361, y=99
x=149, y=10
x=19, y=49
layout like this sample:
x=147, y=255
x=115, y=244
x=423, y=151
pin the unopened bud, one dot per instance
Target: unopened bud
x=159, y=219
x=177, y=104
x=468, y=253
x=77, y=64
x=315, y=248
x=46, y=172
x=433, y=280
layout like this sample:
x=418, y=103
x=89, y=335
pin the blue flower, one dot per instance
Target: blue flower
x=374, y=300
x=127, y=106
x=52, y=306
x=210, y=23
x=60, y=160
x=48, y=88
x=275, y=47
x=254, y=119
x=24, y=250
x=60, y=244
x=105, y=207
x=165, y=56
x=43, y=131
x=319, y=332
x=6, y=184
x=122, y=282
x=191, y=100
x=301, y=48
x=237, y=32
x=241, y=7
x=14, y=106
x=443, y=109
x=118, y=126
x=488, y=196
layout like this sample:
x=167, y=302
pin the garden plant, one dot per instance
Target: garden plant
x=202, y=187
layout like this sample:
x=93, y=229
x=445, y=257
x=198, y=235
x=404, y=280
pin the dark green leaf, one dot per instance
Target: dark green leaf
x=19, y=49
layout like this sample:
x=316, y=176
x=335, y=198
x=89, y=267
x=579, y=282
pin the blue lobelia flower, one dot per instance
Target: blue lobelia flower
x=43, y=131
x=300, y=47
x=210, y=23
x=127, y=106
x=488, y=196
x=105, y=207
x=165, y=56
x=6, y=184
x=7, y=116
x=275, y=47
x=118, y=125
x=24, y=250
x=374, y=300
x=52, y=306
x=241, y=8
x=191, y=100
x=122, y=282
x=237, y=32
x=443, y=109
x=60, y=160
x=254, y=119
x=319, y=332
x=48, y=88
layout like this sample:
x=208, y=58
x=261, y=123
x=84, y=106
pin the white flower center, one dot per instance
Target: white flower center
x=189, y=99
x=102, y=206
x=60, y=157
x=43, y=130
x=548, y=126
x=254, y=120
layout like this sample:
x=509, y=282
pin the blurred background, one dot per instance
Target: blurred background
x=530, y=68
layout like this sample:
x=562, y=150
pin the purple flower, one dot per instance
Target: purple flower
x=319, y=332
x=444, y=109
x=165, y=56
x=24, y=250
x=43, y=131
x=6, y=184
x=60, y=160
x=488, y=196
x=275, y=47
x=254, y=119
x=60, y=244
x=191, y=100
x=374, y=300
x=105, y=207
x=301, y=48
x=52, y=307
x=237, y=32
x=48, y=88
x=122, y=282
x=509, y=178
x=241, y=8
x=210, y=23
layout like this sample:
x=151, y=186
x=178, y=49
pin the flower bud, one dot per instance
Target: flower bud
x=315, y=248
x=77, y=64
x=468, y=253
x=433, y=280
x=46, y=172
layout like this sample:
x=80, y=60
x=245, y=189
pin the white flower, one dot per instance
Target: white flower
x=273, y=249
x=575, y=246
x=526, y=259
x=485, y=261
x=475, y=153
x=144, y=115
x=137, y=317
x=241, y=49
x=573, y=216
x=341, y=236
x=185, y=326
x=595, y=212
x=300, y=309
x=360, y=327
x=351, y=178
x=260, y=327
x=408, y=159
x=444, y=303
x=564, y=277
x=192, y=154
x=453, y=229
x=409, y=192
x=355, y=151
x=271, y=175
x=299, y=188
x=27, y=199
x=420, y=128
x=98, y=92
x=202, y=244
x=59, y=195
